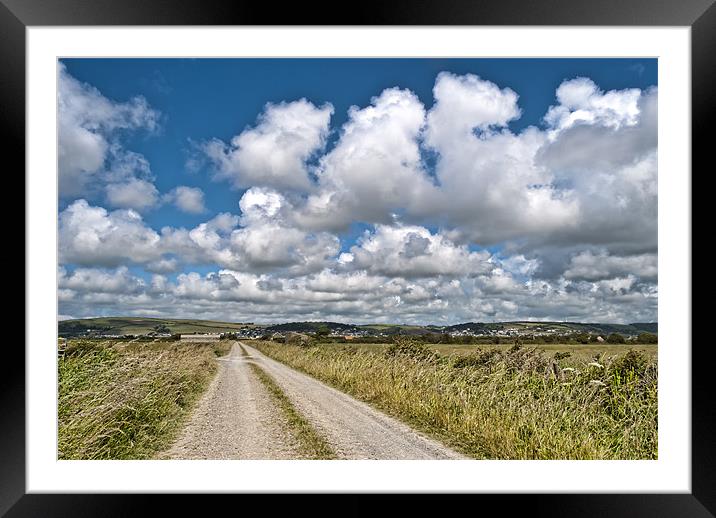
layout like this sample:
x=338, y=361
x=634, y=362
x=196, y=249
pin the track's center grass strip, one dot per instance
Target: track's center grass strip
x=311, y=443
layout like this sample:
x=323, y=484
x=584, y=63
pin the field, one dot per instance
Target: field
x=121, y=400
x=130, y=399
x=584, y=353
x=501, y=402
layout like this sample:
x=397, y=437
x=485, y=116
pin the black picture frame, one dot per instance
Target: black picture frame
x=700, y=15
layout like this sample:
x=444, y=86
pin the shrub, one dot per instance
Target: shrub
x=299, y=339
x=632, y=362
x=647, y=338
x=616, y=338
x=405, y=347
x=530, y=360
x=479, y=358
x=582, y=338
x=515, y=359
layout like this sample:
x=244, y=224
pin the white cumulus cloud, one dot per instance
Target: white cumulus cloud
x=274, y=152
x=91, y=127
x=186, y=199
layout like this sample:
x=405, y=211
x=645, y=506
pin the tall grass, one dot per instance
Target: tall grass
x=120, y=400
x=513, y=403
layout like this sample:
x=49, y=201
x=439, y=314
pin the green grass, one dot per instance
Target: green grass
x=120, y=400
x=311, y=443
x=501, y=402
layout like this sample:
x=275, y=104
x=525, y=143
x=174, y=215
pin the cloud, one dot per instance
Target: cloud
x=267, y=240
x=207, y=243
x=491, y=189
x=588, y=178
x=581, y=101
x=464, y=104
x=567, y=209
x=100, y=281
x=90, y=131
x=375, y=166
x=163, y=265
x=134, y=194
x=274, y=152
x=413, y=251
x=613, y=171
x=592, y=266
x=259, y=240
x=94, y=236
x=186, y=199
x=520, y=265
x=357, y=296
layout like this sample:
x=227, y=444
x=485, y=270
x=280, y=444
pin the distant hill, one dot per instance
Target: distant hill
x=311, y=327
x=648, y=327
x=138, y=325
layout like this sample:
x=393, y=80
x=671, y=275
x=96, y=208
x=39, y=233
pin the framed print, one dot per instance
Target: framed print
x=425, y=250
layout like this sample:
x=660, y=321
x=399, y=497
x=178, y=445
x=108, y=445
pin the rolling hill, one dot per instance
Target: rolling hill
x=139, y=325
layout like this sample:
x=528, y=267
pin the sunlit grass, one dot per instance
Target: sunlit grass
x=501, y=402
x=122, y=400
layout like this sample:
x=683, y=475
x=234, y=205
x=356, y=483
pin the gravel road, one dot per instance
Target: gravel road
x=238, y=419
x=353, y=428
x=235, y=419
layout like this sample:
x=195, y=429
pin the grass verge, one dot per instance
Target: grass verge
x=121, y=400
x=310, y=442
x=516, y=403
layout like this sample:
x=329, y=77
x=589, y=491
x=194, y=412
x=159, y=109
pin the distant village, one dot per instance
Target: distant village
x=347, y=332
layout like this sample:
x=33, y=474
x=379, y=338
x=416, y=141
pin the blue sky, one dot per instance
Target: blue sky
x=202, y=99
x=188, y=103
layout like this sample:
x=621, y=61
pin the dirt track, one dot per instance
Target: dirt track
x=354, y=429
x=235, y=419
x=238, y=419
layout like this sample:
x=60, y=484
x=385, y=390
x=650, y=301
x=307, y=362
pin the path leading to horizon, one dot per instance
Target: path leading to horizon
x=238, y=419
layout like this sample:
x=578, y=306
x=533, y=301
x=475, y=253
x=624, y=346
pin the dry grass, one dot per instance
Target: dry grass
x=578, y=352
x=127, y=400
x=311, y=444
x=507, y=403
